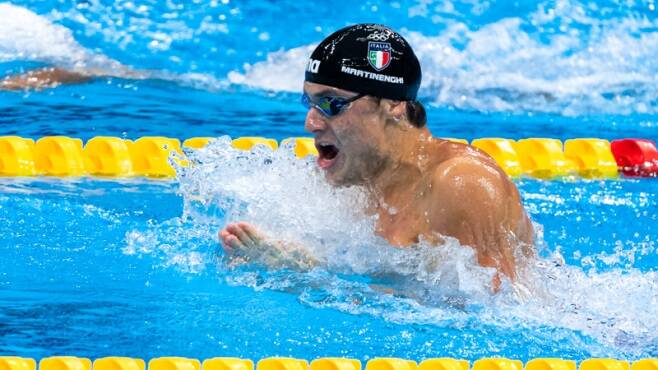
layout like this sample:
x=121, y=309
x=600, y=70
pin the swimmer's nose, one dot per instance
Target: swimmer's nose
x=315, y=121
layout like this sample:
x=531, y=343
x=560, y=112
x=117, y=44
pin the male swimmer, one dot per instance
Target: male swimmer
x=360, y=91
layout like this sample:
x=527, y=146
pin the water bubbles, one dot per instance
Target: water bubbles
x=82, y=4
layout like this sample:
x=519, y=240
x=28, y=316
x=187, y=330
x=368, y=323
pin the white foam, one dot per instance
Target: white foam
x=606, y=67
x=25, y=35
x=281, y=71
x=439, y=285
x=290, y=199
x=557, y=59
x=172, y=246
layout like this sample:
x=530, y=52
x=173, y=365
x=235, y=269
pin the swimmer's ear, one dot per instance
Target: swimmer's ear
x=397, y=109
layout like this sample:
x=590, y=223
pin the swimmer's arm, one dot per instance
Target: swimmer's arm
x=42, y=78
x=244, y=243
x=476, y=203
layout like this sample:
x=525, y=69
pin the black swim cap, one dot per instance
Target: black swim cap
x=366, y=58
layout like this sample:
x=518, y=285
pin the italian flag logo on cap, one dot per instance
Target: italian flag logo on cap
x=379, y=54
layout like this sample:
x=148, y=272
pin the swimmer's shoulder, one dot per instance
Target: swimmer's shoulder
x=452, y=155
x=464, y=173
x=469, y=190
x=470, y=181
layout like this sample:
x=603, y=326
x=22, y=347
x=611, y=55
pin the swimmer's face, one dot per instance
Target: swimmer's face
x=353, y=144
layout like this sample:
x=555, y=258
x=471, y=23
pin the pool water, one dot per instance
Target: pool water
x=133, y=267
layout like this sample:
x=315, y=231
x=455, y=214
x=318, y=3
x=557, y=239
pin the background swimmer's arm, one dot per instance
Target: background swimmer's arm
x=244, y=243
x=476, y=202
x=41, y=79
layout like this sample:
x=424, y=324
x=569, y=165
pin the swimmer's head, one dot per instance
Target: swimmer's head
x=361, y=86
x=369, y=59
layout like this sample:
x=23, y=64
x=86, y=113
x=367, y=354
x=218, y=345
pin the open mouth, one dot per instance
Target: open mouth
x=327, y=151
x=326, y=154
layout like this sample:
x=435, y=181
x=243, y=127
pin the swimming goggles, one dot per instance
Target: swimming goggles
x=329, y=105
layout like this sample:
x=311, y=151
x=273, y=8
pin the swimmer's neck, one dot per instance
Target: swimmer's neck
x=404, y=169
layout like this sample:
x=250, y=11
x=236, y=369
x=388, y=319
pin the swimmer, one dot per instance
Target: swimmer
x=360, y=90
x=42, y=78
x=51, y=77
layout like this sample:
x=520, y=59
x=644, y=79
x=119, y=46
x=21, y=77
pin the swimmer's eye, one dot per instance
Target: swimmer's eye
x=329, y=105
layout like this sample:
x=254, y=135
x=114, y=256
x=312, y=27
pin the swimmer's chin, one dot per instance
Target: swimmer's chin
x=334, y=172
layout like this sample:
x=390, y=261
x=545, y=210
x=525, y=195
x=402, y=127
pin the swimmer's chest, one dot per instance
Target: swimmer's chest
x=403, y=228
x=409, y=215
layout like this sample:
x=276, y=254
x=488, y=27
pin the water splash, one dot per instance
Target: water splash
x=442, y=286
x=27, y=36
x=563, y=57
x=289, y=199
x=24, y=35
x=558, y=60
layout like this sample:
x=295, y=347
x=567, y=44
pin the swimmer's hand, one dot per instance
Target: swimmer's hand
x=244, y=243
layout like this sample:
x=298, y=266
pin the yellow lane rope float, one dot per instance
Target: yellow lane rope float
x=327, y=363
x=149, y=156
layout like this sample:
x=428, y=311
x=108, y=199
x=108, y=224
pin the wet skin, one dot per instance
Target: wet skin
x=51, y=77
x=42, y=78
x=419, y=186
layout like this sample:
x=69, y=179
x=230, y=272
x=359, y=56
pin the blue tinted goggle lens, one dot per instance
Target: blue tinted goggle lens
x=328, y=105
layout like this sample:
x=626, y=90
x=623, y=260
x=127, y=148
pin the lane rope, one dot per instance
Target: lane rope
x=148, y=156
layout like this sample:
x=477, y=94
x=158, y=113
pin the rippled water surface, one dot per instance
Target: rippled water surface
x=132, y=267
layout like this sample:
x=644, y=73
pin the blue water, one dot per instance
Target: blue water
x=95, y=268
